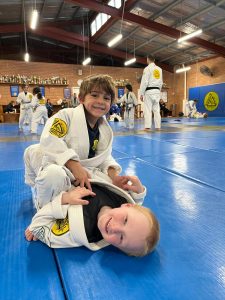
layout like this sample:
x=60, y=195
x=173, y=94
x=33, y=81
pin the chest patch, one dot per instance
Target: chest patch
x=59, y=128
x=60, y=227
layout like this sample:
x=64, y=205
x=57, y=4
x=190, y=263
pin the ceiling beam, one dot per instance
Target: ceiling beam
x=148, y=24
x=129, y=4
x=76, y=39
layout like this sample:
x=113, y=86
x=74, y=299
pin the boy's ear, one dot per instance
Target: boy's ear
x=80, y=99
x=127, y=204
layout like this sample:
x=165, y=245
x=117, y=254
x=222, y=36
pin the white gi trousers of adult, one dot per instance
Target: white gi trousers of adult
x=151, y=104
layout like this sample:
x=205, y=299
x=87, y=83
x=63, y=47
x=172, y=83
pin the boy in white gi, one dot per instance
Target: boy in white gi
x=130, y=101
x=106, y=215
x=73, y=140
x=40, y=110
x=24, y=99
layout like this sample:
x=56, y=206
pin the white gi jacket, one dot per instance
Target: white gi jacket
x=65, y=136
x=24, y=100
x=152, y=77
x=191, y=109
x=72, y=234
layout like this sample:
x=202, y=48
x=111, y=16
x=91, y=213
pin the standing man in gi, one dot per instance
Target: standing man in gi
x=151, y=84
x=24, y=99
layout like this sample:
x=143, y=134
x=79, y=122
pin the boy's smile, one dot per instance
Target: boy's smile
x=97, y=104
x=123, y=227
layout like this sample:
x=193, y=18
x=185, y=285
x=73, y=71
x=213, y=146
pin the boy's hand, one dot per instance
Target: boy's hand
x=81, y=175
x=29, y=235
x=74, y=197
x=129, y=183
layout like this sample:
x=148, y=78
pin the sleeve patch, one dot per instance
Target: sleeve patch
x=61, y=227
x=156, y=74
x=59, y=128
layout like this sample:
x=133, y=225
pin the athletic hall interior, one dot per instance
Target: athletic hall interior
x=55, y=44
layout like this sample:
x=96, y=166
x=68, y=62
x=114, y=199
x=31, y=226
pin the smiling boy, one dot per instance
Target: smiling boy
x=74, y=141
x=95, y=219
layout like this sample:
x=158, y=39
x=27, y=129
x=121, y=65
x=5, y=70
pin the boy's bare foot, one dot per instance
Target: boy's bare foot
x=29, y=235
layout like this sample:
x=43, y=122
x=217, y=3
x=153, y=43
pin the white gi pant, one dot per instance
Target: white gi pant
x=129, y=118
x=25, y=115
x=48, y=181
x=151, y=104
x=40, y=113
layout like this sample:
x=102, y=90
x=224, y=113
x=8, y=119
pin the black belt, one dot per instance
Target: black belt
x=152, y=88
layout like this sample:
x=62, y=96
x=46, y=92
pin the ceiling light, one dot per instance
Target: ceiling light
x=115, y=40
x=86, y=61
x=130, y=61
x=184, y=69
x=34, y=19
x=26, y=57
x=189, y=36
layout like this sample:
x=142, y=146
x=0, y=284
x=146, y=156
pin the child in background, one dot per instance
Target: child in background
x=130, y=101
x=39, y=109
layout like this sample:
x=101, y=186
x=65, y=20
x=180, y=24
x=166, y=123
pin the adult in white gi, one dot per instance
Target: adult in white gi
x=60, y=142
x=191, y=109
x=151, y=84
x=40, y=110
x=130, y=101
x=24, y=99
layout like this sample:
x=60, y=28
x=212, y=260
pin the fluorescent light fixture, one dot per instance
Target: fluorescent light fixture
x=34, y=19
x=189, y=36
x=130, y=61
x=26, y=57
x=86, y=61
x=115, y=40
x=184, y=69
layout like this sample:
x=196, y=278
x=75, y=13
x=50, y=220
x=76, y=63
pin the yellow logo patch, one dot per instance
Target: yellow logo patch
x=211, y=101
x=156, y=74
x=60, y=227
x=95, y=144
x=59, y=128
x=30, y=96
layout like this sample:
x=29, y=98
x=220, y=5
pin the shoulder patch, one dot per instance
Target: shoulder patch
x=61, y=227
x=156, y=74
x=59, y=128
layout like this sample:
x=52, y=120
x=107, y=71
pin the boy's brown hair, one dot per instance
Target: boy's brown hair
x=154, y=233
x=102, y=82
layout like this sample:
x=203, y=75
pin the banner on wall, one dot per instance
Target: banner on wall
x=14, y=90
x=211, y=99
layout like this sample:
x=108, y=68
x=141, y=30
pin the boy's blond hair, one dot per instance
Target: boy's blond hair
x=154, y=233
x=102, y=82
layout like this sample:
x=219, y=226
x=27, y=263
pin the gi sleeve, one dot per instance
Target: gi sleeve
x=51, y=226
x=139, y=198
x=53, y=139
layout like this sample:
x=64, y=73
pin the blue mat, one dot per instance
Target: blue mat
x=188, y=262
x=29, y=270
x=184, y=174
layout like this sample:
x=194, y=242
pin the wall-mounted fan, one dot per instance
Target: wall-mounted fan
x=206, y=71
